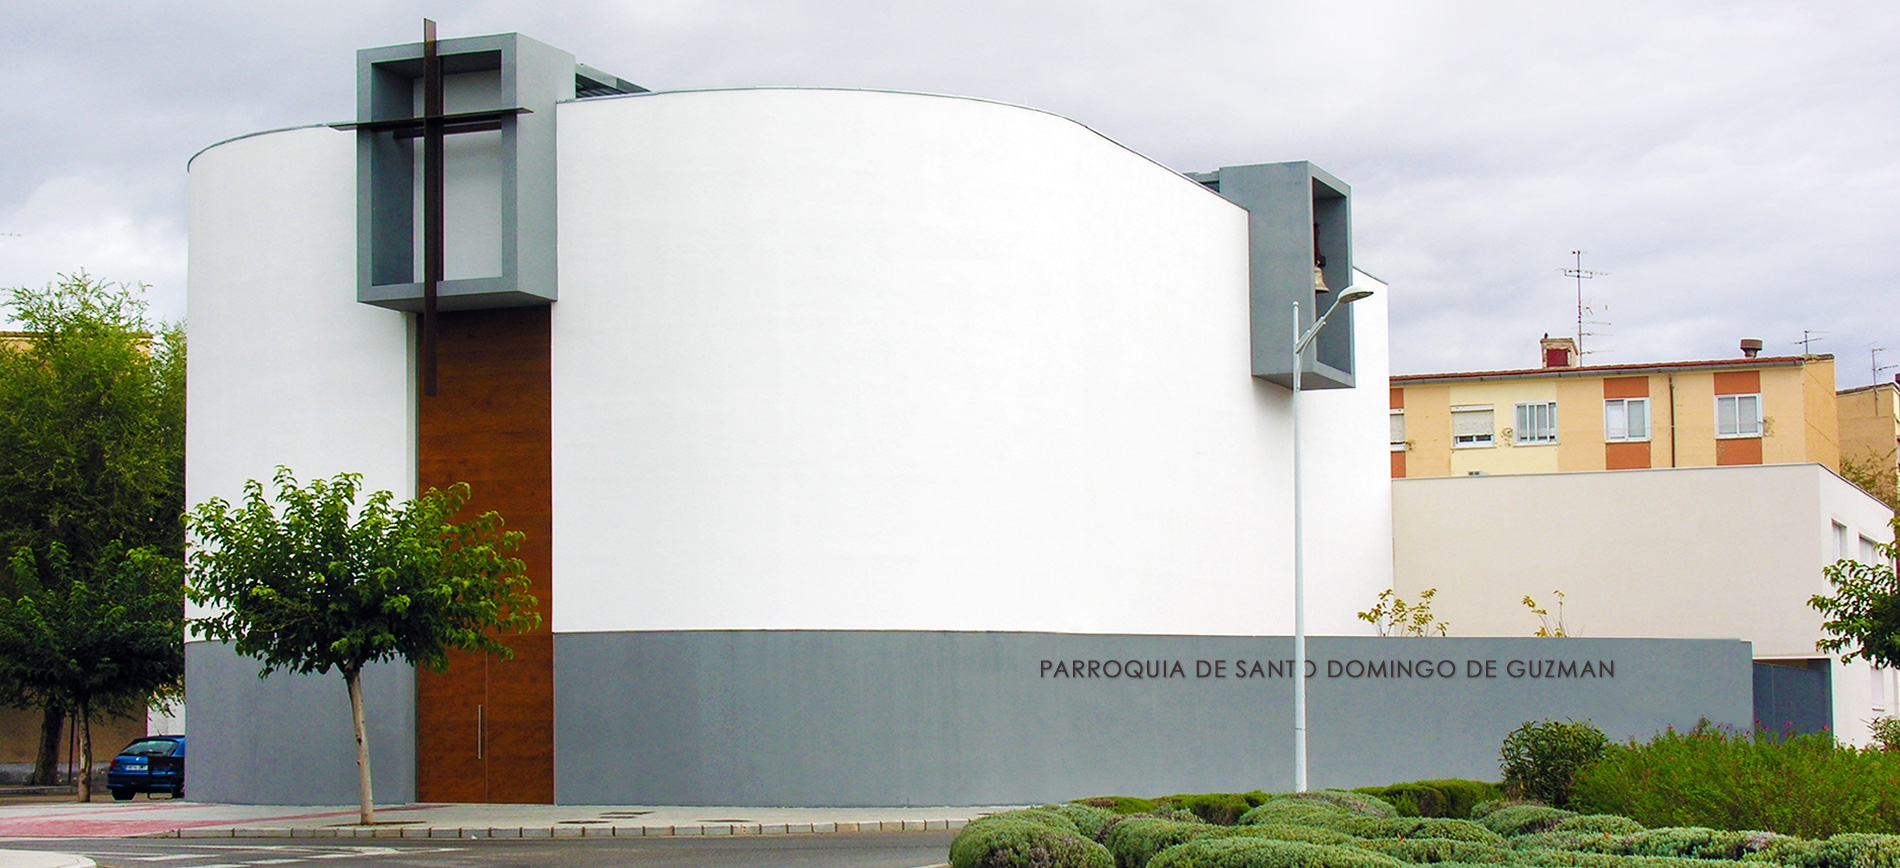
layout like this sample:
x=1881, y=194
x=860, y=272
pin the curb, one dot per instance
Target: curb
x=577, y=830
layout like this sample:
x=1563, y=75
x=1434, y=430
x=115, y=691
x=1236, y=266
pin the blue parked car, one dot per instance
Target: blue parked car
x=153, y=764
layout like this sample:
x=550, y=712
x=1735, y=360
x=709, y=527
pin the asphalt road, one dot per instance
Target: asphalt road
x=870, y=850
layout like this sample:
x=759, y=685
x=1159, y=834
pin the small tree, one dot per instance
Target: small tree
x=1540, y=760
x=1863, y=616
x=328, y=584
x=96, y=638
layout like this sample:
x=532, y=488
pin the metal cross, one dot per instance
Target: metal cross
x=432, y=127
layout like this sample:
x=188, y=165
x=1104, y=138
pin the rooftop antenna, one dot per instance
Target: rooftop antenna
x=1581, y=274
x=1808, y=336
x=1874, y=363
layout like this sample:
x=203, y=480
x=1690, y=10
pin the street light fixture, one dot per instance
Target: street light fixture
x=1300, y=342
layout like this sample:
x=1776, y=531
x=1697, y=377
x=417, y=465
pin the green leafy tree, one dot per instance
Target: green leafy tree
x=92, y=444
x=1875, y=474
x=1863, y=615
x=316, y=582
x=1540, y=760
x=95, y=637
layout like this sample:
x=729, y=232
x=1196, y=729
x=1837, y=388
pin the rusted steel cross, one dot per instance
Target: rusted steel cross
x=432, y=127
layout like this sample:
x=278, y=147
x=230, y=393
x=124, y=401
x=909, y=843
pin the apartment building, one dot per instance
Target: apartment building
x=1567, y=417
x=1870, y=424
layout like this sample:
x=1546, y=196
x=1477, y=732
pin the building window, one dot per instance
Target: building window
x=1869, y=551
x=1398, y=430
x=1840, y=541
x=1471, y=426
x=1536, y=423
x=1626, y=419
x=1738, y=416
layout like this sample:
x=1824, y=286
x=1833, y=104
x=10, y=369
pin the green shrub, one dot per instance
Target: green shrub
x=1007, y=841
x=1441, y=798
x=1224, y=809
x=1524, y=819
x=1415, y=827
x=1295, y=811
x=1485, y=808
x=1136, y=840
x=1805, y=785
x=1434, y=850
x=1119, y=804
x=1541, y=760
x=1886, y=732
x=1580, y=841
x=1609, y=824
x=1578, y=859
x=1248, y=852
x=1846, y=850
x=1089, y=821
x=1357, y=803
x=1691, y=843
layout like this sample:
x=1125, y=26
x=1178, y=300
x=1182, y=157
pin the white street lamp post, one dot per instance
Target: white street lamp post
x=1300, y=342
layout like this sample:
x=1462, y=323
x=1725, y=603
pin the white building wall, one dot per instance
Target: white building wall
x=1346, y=449
x=285, y=367
x=1693, y=553
x=834, y=359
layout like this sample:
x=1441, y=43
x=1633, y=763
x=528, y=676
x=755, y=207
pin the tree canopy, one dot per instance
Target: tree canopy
x=312, y=581
x=92, y=463
x=1863, y=616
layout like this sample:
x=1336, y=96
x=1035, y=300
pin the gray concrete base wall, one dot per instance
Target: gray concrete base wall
x=287, y=739
x=846, y=718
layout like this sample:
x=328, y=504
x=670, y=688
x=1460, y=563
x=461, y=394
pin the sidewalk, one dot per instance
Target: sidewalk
x=181, y=819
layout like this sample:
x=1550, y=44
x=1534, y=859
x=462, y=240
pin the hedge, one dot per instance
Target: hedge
x=1435, y=850
x=1524, y=819
x=1442, y=798
x=1026, y=839
x=1246, y=852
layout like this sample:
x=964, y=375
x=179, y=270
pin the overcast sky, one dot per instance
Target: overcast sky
x=1731, y=165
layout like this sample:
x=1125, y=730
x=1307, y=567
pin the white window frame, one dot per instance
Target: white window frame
x=1477, y=441
x=1521, y=432
x=1869, y=552
x=1610, y=434
x=1744, y=428
x=1398, y=430
x=1840, y=541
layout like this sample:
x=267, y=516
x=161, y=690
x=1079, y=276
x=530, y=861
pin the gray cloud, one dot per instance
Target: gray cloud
x=1731, y=164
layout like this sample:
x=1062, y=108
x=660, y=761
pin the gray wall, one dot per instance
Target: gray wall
x=287, y=739
x=930, y=718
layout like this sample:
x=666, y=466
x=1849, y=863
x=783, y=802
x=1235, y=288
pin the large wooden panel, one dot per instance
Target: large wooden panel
x=489, y=426
x=1626, y=456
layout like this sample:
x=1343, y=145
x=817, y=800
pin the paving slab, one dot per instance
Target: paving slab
x=184, y=819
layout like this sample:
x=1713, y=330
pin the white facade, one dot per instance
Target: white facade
x=1692, y=553
x=831, y=359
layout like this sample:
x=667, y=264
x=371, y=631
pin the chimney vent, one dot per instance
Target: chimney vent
x=1751, y=347
x=1558, y=352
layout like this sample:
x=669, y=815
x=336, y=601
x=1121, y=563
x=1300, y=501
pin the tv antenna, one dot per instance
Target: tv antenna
x=1808, y=336
x=1874, y=362
x=1584, y=311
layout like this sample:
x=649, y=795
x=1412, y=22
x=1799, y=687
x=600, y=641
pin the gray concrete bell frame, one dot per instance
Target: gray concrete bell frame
x=532, y=76
x=1284, y=202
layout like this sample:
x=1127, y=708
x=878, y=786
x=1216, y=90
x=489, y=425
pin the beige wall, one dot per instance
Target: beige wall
x=20, y=739
x=1869, y=422
x=1428, y=431
x=1700, y=553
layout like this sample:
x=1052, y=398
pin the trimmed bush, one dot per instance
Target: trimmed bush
x=1485, y=809
x=1692, y=843
x=1581, y=841
x=1089, y=821
x=1541, y=760
x=1013, y=841
x=1578, y=859
x=1415, y=827
x=1524, y=819
x=1357, y=803
x=1440, y=798
x=1135, y=840
x=1119, y=804
x=1246, y=852
x=1295, y=811
x=1608, y=824
x=1435, y=850
x=1847, y=850
x=1224, y=809
x=1805, y=785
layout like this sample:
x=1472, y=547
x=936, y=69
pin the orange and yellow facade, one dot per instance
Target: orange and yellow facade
x=1778, y=410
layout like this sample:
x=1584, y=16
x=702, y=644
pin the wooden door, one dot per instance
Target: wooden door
x=485, y=727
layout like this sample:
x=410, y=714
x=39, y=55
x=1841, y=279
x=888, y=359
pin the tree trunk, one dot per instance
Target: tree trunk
x=366, y=802
x=46, y=764
x=83, y=720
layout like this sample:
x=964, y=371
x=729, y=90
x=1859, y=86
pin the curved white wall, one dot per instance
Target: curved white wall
x=834, y=359
x=285, y=367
